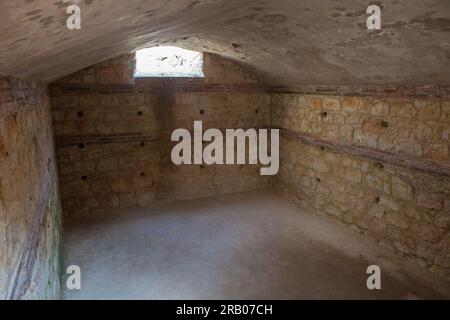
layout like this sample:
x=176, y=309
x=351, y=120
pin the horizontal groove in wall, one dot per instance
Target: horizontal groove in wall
x=92, y=139
x=155, y=85
x=69, y=141
x=386, y=91
x=401, y=160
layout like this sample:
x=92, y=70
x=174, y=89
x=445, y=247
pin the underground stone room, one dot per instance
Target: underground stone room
x=224, y=150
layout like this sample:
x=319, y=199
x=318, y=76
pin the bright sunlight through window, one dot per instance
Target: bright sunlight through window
x=168, y=62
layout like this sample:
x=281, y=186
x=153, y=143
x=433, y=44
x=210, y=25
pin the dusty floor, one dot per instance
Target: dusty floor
x=249, y=246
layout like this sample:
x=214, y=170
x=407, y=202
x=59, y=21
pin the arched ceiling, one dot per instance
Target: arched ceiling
x=286, y=42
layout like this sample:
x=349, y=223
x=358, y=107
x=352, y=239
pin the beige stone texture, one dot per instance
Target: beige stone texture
x=405, y=209
x=30, y=233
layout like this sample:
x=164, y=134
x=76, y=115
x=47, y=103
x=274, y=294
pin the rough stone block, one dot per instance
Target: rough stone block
x=402, y=189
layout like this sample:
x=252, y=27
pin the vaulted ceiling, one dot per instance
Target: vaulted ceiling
x=286, y=42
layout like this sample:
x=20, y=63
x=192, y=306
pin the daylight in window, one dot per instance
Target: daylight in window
x=166, y=61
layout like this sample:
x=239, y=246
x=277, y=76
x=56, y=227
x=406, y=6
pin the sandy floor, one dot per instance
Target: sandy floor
x=254, y=245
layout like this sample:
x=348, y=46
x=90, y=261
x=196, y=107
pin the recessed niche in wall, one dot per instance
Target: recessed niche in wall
x=168, y=61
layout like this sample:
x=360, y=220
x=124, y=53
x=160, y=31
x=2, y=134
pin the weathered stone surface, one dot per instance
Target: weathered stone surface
x=390, y=125
x=116, y=146
x=380, y=108
x=402, y=189
x=430, y=112
x=403, y=208
x=29, y=201
x=378, y=211
x=427, y=232
x=430, y=201
x=350, y=104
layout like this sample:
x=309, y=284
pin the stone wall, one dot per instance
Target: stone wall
x=379, y=165
x=29, y=202
x=225, y=71
x=419, y=128
x=119, y=70
x=114, y=140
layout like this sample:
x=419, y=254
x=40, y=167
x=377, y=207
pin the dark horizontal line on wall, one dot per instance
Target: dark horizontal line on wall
x=149, y=86
x=93, y=139
x=395, y=91
x=70, y=141
x=401, y=160
x=174, y=85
